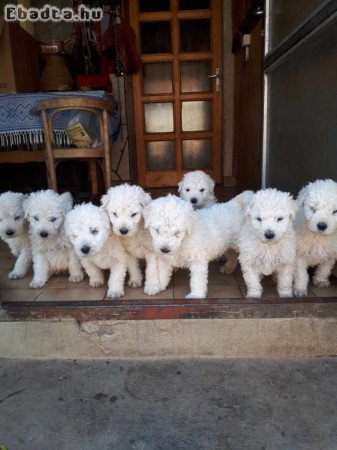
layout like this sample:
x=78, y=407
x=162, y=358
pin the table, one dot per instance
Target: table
x=18, y=126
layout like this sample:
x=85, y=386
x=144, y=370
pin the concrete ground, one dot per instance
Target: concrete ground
x=169, y=404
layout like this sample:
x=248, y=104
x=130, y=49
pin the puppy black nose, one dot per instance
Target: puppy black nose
x=9, y=232
x=165, y=250
x=44, y=234
x=85, y=249
x=123, y=230
x=194, y=200
x=269, y=234
x=322, y=226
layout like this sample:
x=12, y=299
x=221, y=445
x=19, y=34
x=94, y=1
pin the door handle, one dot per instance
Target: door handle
x=216, y=76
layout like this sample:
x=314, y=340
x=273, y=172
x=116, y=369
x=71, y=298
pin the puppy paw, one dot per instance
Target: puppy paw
x=113, y=294
x=195, y=295
x=300, y=292
x=152, y=289
x=76, y=278
x=96, y=282
x=254, y=294
x=36, y=284
x=321, y=283
x=16, y=275
x=285, y=294
x=135, y=283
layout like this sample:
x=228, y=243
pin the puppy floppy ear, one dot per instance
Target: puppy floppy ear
x=146, y=199
x=243, y=199
x=302, y=195
x=26, y=205
x=146, y=215
x=104, y=201
x=66, y=202
x=180, y=185
x=293, y=210
x=105, y=217
x=211, y=184
x=248, y=209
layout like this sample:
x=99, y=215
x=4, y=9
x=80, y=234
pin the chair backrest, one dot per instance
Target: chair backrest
x=70, y=103
x=101, y=108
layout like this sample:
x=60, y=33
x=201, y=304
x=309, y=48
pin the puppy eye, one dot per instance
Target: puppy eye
x=187, y=189
x=17, y=217
x=114, y=214
x=157, y=230
x=259, y=219
x=94, y=231
x=279, y=219
x=74, y=236
x=177, y=234
x=134, y=214
x=334, y=212
x=313, y=209
x=52, y=219
x=36, y=218
x=202, y=190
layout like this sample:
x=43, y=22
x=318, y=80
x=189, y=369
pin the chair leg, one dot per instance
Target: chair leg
x=107, y=158
x=51, y=175
x=93, y=177
x=49, y=156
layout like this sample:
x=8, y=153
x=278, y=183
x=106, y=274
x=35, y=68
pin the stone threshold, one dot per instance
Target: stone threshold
x=168, y=309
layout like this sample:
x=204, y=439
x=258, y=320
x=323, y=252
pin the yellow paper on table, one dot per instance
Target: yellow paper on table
x=79, y=136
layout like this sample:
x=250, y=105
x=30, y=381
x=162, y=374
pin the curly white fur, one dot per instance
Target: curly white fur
x=231, y=256
x=197, y=188
x=316, y=233
x=184, y=238
x=14, y=231
x=88, y=228
x=125, y=204
x=267, y=241
x=51, y=249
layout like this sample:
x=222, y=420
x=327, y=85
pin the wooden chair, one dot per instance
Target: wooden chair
x=53, y=155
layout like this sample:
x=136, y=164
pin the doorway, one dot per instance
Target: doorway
x=177, y=91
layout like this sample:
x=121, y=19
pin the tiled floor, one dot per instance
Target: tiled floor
x=59, y=288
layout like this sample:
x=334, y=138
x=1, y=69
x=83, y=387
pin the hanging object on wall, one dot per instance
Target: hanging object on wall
x=119, y=47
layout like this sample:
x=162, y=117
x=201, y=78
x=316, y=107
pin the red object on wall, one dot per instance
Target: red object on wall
x=101, y=81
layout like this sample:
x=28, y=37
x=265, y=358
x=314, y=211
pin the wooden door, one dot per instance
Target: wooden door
x=177, y=92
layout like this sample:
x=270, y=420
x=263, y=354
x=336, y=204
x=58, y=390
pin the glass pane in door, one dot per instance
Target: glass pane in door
x=195, y=35
x=154, y=5
x=197, y=154
x=157, y=78
x=160, y=155
x=193, y=76
x=193, y=4
x=158, y=117
x=155, y=37
x=196, y=115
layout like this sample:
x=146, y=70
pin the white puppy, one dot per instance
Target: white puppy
x=316, y=234
x=14, y=231
x=267, y=241
x=231, y=257
x=197, y=188
x=51, y=249
x=125, y=204
x=88, y=228
x=184, y=238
